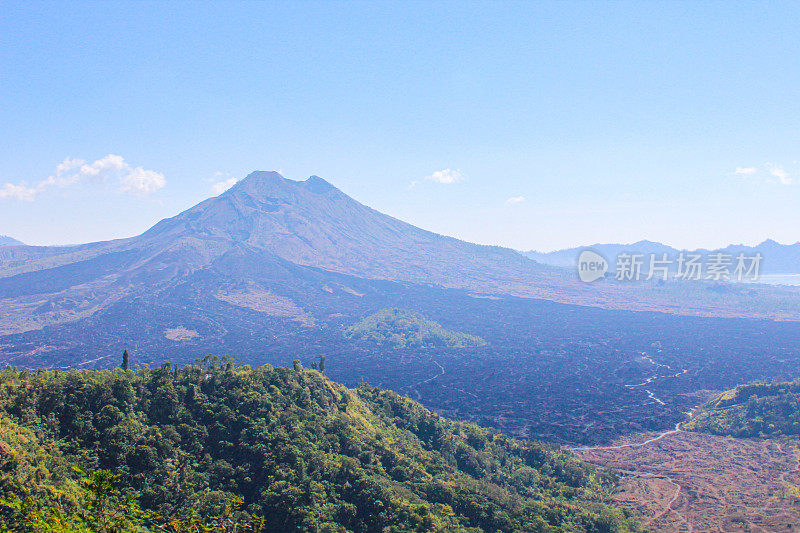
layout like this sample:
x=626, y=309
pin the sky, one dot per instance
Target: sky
x=530, y=125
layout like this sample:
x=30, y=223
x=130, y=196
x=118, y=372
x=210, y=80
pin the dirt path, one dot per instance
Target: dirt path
x=635, y=444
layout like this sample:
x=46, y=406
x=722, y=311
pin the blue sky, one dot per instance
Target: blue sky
x=551, y=125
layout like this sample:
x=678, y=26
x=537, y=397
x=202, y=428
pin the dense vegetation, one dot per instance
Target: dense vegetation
x=752, y=410
x=211, y=446
x=404, y=329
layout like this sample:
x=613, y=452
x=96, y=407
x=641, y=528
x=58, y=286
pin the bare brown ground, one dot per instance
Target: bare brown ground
x=692, y=482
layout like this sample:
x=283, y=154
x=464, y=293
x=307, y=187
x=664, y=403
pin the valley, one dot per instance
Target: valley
x=570, y=374
x=687, y=481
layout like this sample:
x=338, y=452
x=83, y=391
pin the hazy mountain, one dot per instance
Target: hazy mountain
x=777, y=258
x=9, y=241
x=567, y=258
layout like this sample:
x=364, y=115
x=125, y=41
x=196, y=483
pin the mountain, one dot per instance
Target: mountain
x=312, y=223
x=277, y=261
x=777, y=258
x=567, y=258
x=265, y=225
x=298, y=452
x=9, y=241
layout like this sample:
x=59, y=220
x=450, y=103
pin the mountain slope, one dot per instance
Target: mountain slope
x=9, y=241
x=303, y=452
x=266, y=217
x=312, y=223
x=309, y=223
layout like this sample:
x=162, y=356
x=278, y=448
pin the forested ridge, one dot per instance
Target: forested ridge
x=752, y=410
x=215, y=447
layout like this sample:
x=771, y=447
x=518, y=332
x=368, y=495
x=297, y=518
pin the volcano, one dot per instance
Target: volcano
x=289, y=256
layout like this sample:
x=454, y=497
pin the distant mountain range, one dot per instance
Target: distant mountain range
x=9, y=241
x=777, y=258
x=276, y=261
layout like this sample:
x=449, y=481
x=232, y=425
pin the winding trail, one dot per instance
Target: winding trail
x=413, y=388
x=652, y=396
x=669, y=508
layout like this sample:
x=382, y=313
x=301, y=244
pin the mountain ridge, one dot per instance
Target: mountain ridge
x=778, y=258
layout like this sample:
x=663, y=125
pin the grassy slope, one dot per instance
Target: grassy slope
x=752, y=410
x=403, y=328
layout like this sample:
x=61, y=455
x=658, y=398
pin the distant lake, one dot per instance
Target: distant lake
x=777, y=279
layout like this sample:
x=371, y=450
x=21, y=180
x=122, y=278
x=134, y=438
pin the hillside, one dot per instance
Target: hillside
x=752, y=410
x=299, y=451
x=404, y=329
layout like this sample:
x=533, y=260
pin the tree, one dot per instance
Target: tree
x=107, y=509
x=297, y=365
x=125, y=360
x=322, y=363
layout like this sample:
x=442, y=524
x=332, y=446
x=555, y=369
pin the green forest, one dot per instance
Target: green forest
x=752, y=410
x=218, y=447
x=404, y=329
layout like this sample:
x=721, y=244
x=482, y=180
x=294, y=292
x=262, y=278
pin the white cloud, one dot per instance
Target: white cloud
x=767, y=173
x=515, y=200
x=68, y=164
x=19, y=192
x=446, y=176
x=745, y=171
x=779, y=172
x=105, y=166
x=141, y=182
x=137, y=180
x=222, y=186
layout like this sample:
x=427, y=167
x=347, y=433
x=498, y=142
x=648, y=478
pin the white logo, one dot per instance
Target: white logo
x=591, y=266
